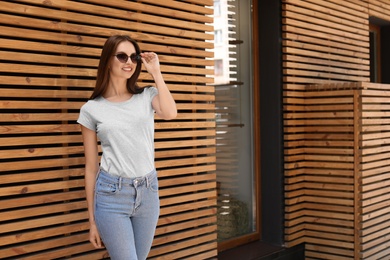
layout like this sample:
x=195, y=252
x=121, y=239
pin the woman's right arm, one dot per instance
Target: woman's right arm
x=91, y=169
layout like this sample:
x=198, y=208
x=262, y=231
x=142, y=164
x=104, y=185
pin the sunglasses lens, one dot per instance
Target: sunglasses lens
x=122, y=57
x=134, y=58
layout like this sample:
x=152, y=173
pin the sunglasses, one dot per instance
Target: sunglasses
x=123, y=57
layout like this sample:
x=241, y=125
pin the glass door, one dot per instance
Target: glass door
x=237, y=175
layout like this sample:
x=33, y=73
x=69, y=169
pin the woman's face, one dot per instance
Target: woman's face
x=122, y=66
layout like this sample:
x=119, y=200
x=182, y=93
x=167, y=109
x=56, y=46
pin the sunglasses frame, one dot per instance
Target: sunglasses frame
x=134, y=57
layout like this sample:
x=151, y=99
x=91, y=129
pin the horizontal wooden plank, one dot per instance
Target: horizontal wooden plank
x=183, y=235
x=42, y=210
x=99, y=31
x=309, y=60
x=68, y=94
x=192, y=179
x=310, y=255
x=345, y=20
x=201, y=6
x=320, y=74
x=52, y=82
x=203, y=204
x=194, y=223
x=320, y=122
x=85, y=72
x=186, y=216
x=185, y=198
x=320, y=114
x=50, y=232
x=91, y=255
x=36, y=140
x=19, y=251
x=43, y=222
x=321, y=207
x=321, y=32
x=89, y=62
x=337, y=10
x=52, y=105
x=324, y=68
x=338, y=251
x=196, y=54
x=184, y=189
x=40, y=164
x=187, y=170
x=186, y=143
x=34, y=129
x=321, y=28
x=41, y=187
x=167, y=11
x=41, y=175
x=184, y=152
x=164, y=249
x=100, y=20
x=11, y=203
x=61, y=252
x=38, y=152
x=195, y=252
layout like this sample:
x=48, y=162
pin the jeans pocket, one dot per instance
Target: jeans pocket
x=106, y=188
x=153, y=184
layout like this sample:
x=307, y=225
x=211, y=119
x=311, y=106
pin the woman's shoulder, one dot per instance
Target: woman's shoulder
x=92, y=103
x=150, y=90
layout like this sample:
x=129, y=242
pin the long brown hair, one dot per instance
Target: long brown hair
x=103, y=73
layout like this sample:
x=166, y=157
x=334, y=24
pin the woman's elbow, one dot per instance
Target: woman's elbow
x=168, y=114
x=171, y=115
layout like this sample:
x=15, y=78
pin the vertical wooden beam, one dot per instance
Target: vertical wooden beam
x=357, y=113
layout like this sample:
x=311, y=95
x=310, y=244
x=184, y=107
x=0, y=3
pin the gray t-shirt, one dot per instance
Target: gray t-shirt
x=126, y=132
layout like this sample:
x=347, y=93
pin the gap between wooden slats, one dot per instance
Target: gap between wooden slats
x=346, y=67
x=316, y=24
x=326, y=56
x=328, y=69
x=101, y=21
x=189, y=242
x=195, y=253
x=32, y=105
x=349, y=22
x=43, y=245
x=78, y=62
x=199, y=7
x=166, y=11
x=348, y=7
x=85, y=40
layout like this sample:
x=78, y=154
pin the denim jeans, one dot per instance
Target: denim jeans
x=126, y=214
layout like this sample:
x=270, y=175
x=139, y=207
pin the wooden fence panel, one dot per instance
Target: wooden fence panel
x=323, y=42
x=327, y=43
x=49, y=54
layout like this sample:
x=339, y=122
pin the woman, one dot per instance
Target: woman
x=122, y=192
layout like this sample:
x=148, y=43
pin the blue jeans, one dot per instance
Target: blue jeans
x=126, y=214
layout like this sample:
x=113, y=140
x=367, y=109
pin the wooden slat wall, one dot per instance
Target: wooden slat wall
x=375, y=193
x=329, y=212
x=329, y=192
x=49, y=51
x=323, y=41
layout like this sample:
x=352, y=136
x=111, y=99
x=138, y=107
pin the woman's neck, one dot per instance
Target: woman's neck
x=117, y=90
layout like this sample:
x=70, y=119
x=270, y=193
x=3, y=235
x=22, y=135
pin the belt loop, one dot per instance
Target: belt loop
x=120, y=183
x=147, y=181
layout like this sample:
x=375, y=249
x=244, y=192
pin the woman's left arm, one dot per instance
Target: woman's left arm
x=163, y=103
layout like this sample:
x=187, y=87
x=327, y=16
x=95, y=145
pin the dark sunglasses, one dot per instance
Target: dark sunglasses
x=123, y=57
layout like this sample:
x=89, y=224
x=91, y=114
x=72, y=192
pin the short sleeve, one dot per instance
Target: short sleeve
x=153, y=91
x=86, y=119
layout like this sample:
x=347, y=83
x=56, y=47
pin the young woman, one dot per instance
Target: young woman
x=122, y=192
